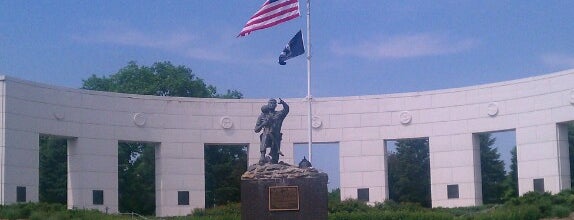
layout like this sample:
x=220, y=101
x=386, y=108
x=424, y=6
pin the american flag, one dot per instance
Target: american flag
x=273, y=12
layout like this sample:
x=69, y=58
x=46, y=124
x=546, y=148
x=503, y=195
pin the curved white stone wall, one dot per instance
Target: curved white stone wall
x=94, y=122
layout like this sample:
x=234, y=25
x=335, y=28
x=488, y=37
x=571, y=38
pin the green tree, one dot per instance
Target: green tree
x=334, y=198
x=224, y=166
x=136, y=167
x=492, y=170
x=409, y=180
x=393, y=175
x=53, y=170
x=136, y=177
x=160, y=79
x=511, y=179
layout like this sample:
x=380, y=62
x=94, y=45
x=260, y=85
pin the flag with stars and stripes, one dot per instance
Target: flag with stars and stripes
x=273, y=12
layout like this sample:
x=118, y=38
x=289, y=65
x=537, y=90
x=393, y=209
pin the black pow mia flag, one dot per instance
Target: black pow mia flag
x=293, y=49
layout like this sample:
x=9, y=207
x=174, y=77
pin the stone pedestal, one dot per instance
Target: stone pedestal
x=281, y=191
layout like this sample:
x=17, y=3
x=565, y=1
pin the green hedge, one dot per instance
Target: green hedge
x=44, y=211
x=529, y=206
x=384, y=215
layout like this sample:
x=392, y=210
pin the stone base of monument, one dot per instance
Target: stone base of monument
x=282, y=191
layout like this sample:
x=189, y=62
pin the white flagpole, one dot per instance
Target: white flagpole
x=309, y=97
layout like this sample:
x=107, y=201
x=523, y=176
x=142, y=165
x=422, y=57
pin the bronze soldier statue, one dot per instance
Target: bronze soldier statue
x=270, y=122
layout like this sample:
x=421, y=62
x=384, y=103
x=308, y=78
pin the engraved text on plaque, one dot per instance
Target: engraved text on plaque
x=283, y=198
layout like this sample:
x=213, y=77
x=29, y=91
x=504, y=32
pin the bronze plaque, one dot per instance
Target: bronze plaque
x=283, y=198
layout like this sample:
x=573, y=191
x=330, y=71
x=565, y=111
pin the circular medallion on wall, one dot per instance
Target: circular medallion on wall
x=492, y=109
x=58, y=115
x=405, y=117
x=226, y=122
x=139, y=119
x=316, y=122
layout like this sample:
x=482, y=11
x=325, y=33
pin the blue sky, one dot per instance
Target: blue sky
x=359, y=47
x=325, y=159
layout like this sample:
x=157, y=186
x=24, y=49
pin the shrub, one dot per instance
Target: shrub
x=560, y=211
x=388, y=205
x=17, y=211
x=564, y=198
x=10, y=213
x=390, y=215
x=524, y=212
x=468, y=212
x=231, y=209
x=39, y=215
x=334, y=198
x=349, y=205
x=197, y=212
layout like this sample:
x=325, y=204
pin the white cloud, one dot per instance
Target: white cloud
x=130, y=37
x=206, y=54
x=181, y=43
x=405, y=46
x=557, y=60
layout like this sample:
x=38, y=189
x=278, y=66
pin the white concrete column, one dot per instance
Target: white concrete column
x=363, y=165
x=93, y=165
x=542, y=152
x=179, y=168
x=20, y=164
x=455, y=160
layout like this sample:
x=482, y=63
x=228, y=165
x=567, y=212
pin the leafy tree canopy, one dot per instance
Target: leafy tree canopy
x=53, y=170
x=136, y=177
x=224, y=166
x=160, y=79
